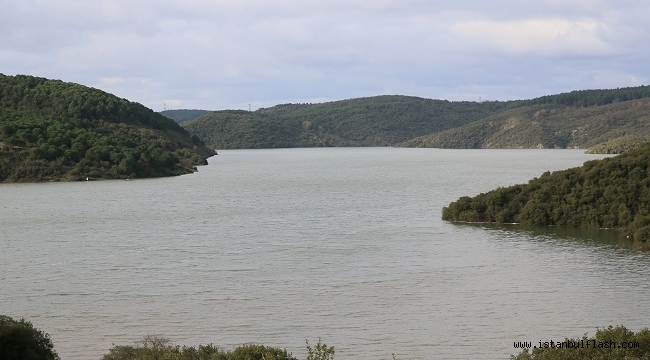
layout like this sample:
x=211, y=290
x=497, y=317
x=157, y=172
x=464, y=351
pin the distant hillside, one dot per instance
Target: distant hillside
x=609, y=193
x=619, y=145
x=551, y=125
x=372, y=121
x=183, y=115
x=614, y=118
x=52, y=130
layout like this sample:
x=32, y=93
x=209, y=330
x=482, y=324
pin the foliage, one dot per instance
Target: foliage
x=619, y=145
x=608, y=346
x=320, y=351
x=19, y=340
x=158, y=348
x=372, y=121
x=608, y=193
x=51, y=130
x=576, y=119
x=597, y=97
x=552, y=125
x=183, y=115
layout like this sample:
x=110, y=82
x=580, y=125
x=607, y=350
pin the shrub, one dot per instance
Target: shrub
x=159, y=348
x=612, y=343
x=320, y=351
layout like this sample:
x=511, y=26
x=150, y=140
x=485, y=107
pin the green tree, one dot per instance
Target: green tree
x=19, y=340
x=320, y=351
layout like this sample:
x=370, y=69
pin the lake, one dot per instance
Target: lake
x=279, y=246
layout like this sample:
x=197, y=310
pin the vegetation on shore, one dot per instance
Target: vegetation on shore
x=612, y=343
x=51, y=130
x=609, y=193
x=19, y=340
x=154, y=347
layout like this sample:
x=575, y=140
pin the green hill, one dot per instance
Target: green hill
x=609, y=193
x=372, y=121
x=183, y=115
x=604, y=122
x=613, y=119
x=52, y=130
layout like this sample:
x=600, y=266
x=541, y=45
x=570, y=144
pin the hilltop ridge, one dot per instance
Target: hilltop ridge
x=612, y=120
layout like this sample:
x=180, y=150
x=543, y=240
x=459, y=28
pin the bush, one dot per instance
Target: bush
x=19, y=340
x=159, y=348
x=613, y=343
x=320, y=352
x=259, y=352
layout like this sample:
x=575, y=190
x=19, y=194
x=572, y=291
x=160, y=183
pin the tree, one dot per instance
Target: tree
x=320, y=351
x=19, y=340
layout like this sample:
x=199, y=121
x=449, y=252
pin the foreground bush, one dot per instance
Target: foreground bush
x=19, y=340
x=612, y=343
x=158, y=348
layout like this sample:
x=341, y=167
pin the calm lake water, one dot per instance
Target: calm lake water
x=279, y=246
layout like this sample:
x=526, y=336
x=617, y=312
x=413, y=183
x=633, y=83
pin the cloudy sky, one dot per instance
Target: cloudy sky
x=227, y=54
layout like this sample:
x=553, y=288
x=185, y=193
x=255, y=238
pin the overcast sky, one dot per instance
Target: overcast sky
x=216, y=54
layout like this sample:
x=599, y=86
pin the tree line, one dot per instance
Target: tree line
x=608, y=193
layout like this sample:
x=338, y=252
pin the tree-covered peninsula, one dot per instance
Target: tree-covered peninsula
x=609, y=193
x=51, y=130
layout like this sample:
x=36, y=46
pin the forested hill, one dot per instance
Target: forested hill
x=373, y=121
x=610, y=121
x=609, y=193
x=52, y=130
x=183, y=115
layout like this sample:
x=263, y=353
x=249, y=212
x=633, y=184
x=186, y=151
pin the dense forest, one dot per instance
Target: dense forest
x=183, y=115
x=610, y=121
x=609, y=193
x=52, y=130
x=372, y=121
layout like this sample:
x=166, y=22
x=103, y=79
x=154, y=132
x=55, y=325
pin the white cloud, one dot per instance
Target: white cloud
x=111, y=80
x=223, y=53
x=547, y=37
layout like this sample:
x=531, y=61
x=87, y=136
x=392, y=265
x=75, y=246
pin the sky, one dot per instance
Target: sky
x=241, y=54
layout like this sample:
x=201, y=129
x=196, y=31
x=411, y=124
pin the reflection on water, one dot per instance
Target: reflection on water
x=581, y=235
